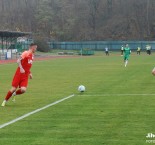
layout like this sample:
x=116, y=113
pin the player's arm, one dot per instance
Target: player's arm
x=20, y=65
x=24, y=55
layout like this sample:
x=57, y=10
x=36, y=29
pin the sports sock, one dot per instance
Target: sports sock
x=126, y=62
x=9, y=94
x=19, y=91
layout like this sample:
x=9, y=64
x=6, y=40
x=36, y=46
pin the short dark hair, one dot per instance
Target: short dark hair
x=32, y=44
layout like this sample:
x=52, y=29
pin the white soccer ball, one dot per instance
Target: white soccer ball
x=81, y=88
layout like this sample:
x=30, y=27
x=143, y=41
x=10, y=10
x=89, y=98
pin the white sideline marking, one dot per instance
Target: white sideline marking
x=35, y=111
x=116, y=95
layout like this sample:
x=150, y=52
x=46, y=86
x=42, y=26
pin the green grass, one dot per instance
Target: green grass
x=100, y=116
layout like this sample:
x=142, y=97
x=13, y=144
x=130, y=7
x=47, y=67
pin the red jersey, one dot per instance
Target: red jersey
x=27, y=60
x=21, y=79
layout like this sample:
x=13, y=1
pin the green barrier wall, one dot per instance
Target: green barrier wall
x=100, y=45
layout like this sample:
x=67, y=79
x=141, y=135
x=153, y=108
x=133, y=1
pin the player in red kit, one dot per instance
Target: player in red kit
x=22, y=74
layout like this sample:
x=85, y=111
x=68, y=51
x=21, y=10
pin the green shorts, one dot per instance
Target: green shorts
x=126, y=57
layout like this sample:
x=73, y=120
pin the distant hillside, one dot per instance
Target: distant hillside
x=77, y=20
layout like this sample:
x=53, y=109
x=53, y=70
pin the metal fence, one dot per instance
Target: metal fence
x=9, y=50
x=100, y=45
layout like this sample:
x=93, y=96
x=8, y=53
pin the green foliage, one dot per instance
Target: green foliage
x=44, y=16
x=42, y=44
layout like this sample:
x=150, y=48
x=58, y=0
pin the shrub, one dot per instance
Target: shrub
x=42, y=44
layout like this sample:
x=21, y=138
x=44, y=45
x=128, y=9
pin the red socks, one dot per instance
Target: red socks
x=9, y=94
x=18, y=92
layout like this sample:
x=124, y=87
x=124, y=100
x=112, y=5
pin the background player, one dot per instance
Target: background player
x=107, y=50
x=138, y=50
x=122, y=50
x=127, y=52
x=22, y=73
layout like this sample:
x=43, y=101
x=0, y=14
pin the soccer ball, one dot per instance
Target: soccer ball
x=153, y=71
x=81, y=88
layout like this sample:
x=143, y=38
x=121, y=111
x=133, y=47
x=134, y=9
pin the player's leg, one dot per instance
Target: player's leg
x=126, y=61
x=18, y=92
x=8, y=95
x=122, y=52
x=22, y=87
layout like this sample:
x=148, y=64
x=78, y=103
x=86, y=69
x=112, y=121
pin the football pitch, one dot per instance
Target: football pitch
x=117, y=108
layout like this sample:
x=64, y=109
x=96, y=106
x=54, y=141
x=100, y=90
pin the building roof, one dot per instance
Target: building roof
x=13, y=34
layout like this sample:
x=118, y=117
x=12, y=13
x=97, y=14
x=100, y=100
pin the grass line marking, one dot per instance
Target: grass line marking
x=35, y=111
x=116, y=95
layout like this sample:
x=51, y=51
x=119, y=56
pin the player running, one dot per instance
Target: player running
x=127, y=53
x=22, y=73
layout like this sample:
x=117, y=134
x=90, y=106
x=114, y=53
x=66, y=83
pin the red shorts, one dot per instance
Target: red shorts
x=20, y=80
